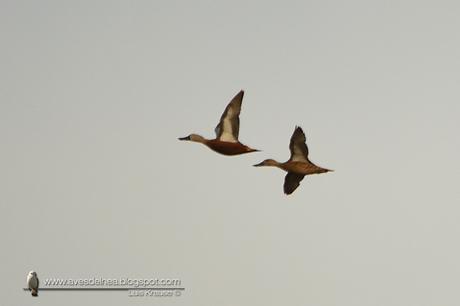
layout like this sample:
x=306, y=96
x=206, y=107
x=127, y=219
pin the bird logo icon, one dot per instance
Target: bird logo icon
x=32, y=283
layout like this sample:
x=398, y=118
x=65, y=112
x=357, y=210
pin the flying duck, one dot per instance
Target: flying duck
x=298, y=165
x=226, y=141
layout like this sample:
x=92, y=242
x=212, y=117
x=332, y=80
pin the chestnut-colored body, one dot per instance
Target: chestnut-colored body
x=302, y=168
x=228, y=148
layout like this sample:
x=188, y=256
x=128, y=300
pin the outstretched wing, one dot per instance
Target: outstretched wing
x=298, y=147
x=229, y=124
x=292, y=181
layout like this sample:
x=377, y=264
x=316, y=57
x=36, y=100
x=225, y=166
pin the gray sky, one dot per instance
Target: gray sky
x=94, y=182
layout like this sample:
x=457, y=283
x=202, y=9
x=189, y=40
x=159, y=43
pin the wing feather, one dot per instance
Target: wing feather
x=229, y=125
x=292, y=181
x=298, y=146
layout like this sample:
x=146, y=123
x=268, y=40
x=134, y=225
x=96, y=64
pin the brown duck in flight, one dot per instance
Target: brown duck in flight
x=298, y=165
x=226, y=141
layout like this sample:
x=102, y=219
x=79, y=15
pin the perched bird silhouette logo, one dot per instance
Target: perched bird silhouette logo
x=32, y=283
x=226, y=141
x=298, y=165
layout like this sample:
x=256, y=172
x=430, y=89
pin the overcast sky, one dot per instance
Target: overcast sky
x=94, y=183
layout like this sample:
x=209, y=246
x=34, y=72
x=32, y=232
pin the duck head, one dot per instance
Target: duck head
x=194, y=138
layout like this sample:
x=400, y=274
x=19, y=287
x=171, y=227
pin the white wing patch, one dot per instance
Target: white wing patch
x=227, y=127
x=227, y=131
x=298, y=146
x=298, y=155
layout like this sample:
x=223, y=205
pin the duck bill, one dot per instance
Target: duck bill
x=184, y=138
x=259, y=164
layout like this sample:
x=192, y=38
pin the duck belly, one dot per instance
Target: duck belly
x=227, y=148
x=303, y=168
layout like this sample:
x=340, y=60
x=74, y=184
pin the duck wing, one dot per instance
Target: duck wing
x=229, y=124
x=298, y=146
x=292, y=181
